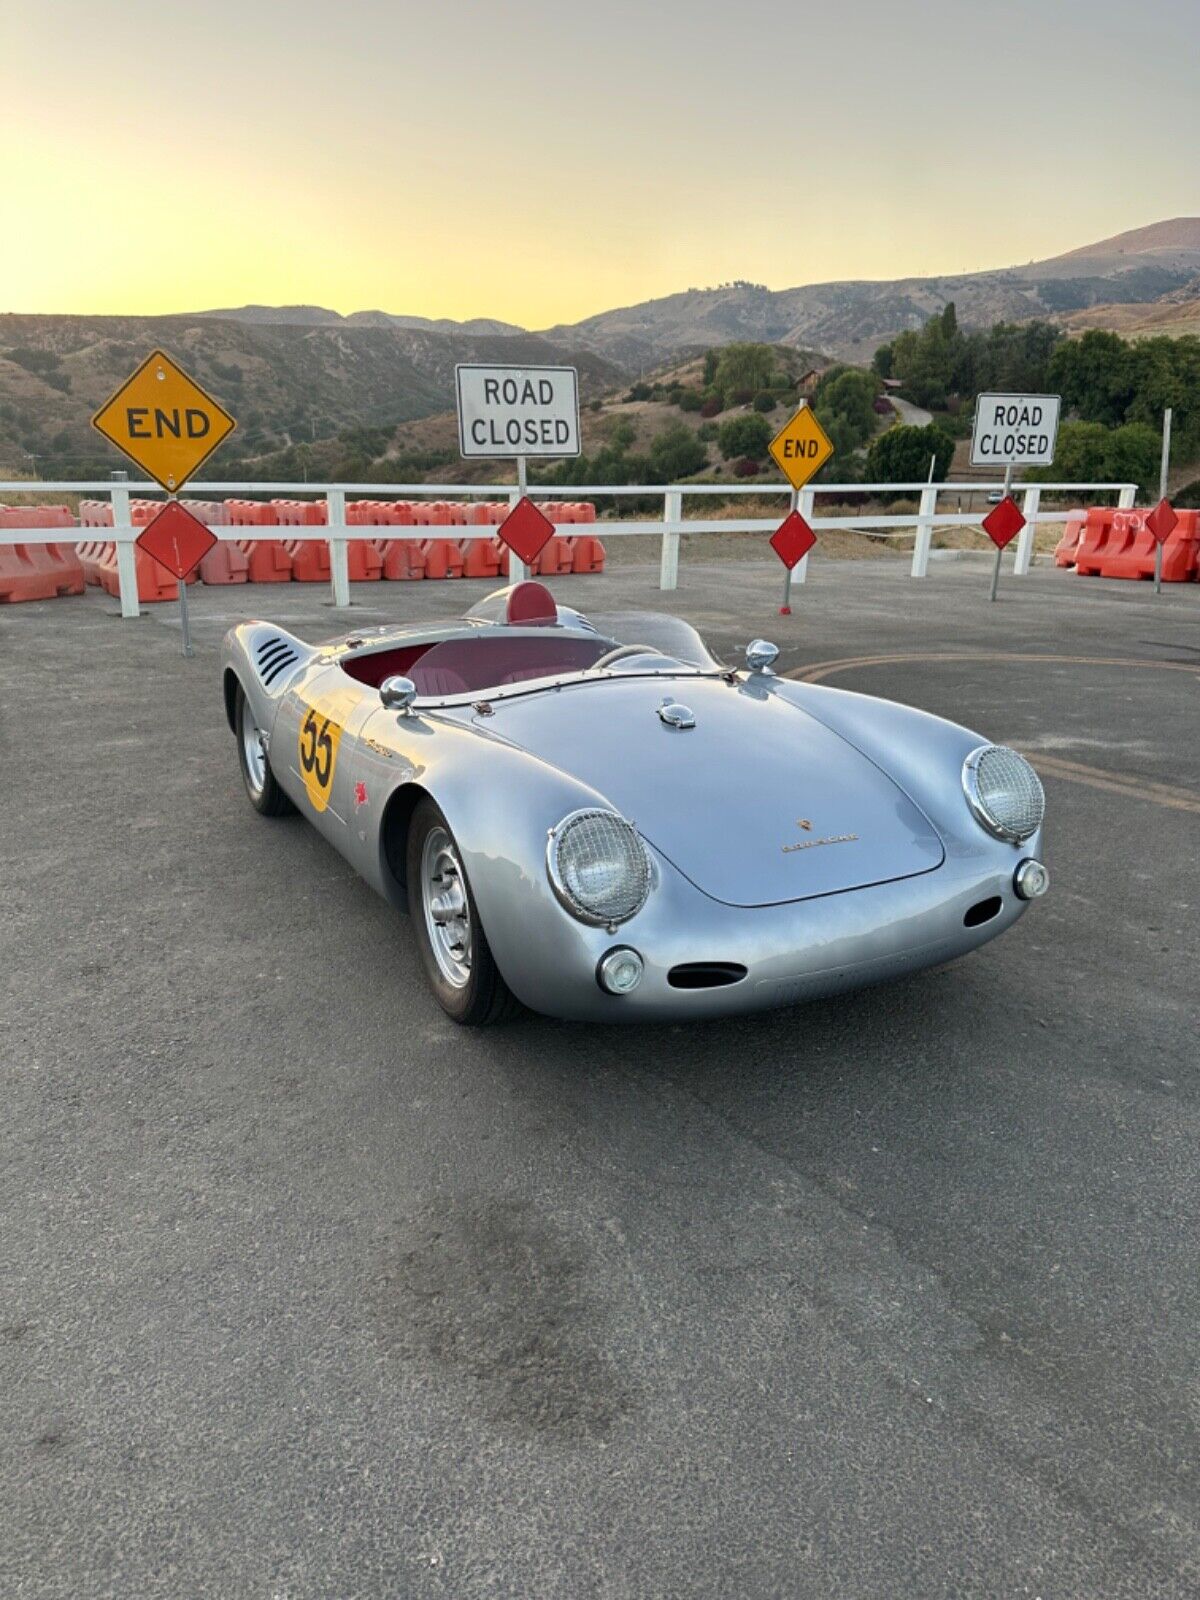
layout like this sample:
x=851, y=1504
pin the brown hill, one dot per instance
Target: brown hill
x=285, y=382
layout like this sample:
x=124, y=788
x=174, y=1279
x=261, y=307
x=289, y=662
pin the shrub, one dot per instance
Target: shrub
x=901, y=455
x=677, y=452
x=595, y=405
x=707, y=431
x=741, y=397
x=745, y=468
x=764, y=400
x=675, y=394
x=689, y=400
x=639, y=391
x=745, y=366
x=713, y=406
x=746, y=435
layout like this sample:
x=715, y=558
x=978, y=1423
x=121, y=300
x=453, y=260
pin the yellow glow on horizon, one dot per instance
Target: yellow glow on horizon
x=548, y=169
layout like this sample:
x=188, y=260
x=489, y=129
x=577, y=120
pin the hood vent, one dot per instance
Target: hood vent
x=274, y=656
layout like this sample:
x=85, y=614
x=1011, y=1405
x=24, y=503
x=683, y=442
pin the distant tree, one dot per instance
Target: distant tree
x=690, y=400
x=746, y=435
x=1095, y=376
x=901, y=455
x=639, y=391
x=844, y=402
x=881, y=361
x=745, y=366
x=711, y=358
x=677, y=453
x=713, y=406
x=765, y=401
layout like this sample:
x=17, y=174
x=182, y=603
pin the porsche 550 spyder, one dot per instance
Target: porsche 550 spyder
x=594, y=818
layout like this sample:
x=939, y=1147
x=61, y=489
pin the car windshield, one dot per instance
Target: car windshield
x=492, y=660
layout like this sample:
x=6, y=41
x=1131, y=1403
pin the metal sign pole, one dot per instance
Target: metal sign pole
x=786, y=608
x=1008, y=477
x=517, y=570
x=1162, y=494
x=184, y=627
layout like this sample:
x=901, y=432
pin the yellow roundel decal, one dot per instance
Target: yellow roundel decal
x=320, y=736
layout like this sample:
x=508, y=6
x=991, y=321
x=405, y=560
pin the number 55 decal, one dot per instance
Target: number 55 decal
x=318, y=747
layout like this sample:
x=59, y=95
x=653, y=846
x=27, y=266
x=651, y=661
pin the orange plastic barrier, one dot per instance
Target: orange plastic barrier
x=38, y=572
x=364, y=561
x=588, y=555
x=310, y=560
x=267, y=560
x=1097, y=529
x=1064, y=550
x=1129, y=551
x=153, y=582
x=483, y=558
x=443, y=558
x=92, y=553
x=226, y=562
x=554, y=557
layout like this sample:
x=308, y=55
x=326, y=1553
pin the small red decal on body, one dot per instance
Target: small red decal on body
x=360, y=794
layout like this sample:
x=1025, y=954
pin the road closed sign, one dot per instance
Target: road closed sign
x=1015, y=429
x=518, y=411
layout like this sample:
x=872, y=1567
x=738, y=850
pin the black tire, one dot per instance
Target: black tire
x=484, y=998
x=269, y=800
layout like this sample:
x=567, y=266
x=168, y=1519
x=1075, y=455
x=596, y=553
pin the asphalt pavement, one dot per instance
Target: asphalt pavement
x=306, y=1294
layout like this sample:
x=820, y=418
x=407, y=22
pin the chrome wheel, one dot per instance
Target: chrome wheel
x=447, y=908
x=254, y=752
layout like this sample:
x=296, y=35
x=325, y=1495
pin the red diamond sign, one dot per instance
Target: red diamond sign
x=792, y=539
x=1162, y=521
x=176, y=539
x=1003, y=522
x=525, y=530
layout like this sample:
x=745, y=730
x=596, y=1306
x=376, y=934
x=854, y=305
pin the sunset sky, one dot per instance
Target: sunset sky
x=539, y=162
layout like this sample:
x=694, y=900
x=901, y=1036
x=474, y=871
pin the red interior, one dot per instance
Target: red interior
x=477, y=662
x=531, y=603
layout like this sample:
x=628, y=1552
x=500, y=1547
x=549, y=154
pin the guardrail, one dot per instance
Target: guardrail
x=669, y=527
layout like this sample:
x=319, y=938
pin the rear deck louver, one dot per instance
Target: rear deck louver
x=274, y=656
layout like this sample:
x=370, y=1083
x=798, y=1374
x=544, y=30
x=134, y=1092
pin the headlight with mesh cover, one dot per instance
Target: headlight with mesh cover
x=598, y=867
x=1004, y=792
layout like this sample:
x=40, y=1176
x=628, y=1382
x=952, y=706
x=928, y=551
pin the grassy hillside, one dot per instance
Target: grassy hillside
x=287, y=384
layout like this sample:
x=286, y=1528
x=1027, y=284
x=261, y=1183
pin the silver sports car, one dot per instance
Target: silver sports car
x=594, y=818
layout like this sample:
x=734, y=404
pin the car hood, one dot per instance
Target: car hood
x=758, y=803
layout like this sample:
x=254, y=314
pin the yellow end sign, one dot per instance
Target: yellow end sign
x=801, y=447
x=164, y=421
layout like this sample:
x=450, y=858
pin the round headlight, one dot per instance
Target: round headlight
x=598, y=867
x=1004, y=792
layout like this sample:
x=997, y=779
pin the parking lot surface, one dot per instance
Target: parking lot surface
x=307, y=1293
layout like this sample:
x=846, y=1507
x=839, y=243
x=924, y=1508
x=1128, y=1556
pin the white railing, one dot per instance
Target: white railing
x=668, y=528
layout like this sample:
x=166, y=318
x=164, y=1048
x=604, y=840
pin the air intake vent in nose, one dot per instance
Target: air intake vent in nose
x=705, y=974
x=275, y=655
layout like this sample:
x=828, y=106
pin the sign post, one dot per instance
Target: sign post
x=168, y=426
x=1162, y=496
x=514, y=413
x=800, y=449
x=178, y=541
x=1011, y=428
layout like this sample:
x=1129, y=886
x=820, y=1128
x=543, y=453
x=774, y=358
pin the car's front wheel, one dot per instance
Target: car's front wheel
x=264, y=794
x=454, y=950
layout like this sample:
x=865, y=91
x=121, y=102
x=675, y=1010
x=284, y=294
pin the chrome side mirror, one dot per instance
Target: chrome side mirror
x=761, y=655
x=398, y=694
